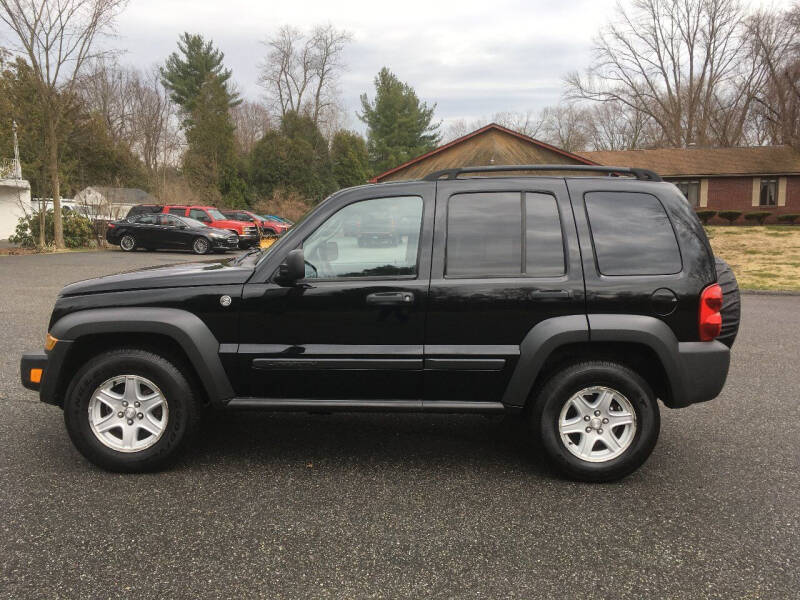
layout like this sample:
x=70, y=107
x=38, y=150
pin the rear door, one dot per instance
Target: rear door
x=505, y=258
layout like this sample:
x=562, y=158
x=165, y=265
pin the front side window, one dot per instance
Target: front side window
x=371, y=238
x=632, y=234
x=769, y=192
x=200, y=215
x=690, y=190
x=504, y=233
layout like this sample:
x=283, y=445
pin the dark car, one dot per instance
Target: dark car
x=156, y=231
x=573, y=302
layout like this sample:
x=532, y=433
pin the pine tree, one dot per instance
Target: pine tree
x=350, y=159
x=209, y=162
x=187, y=70
x=399, y=124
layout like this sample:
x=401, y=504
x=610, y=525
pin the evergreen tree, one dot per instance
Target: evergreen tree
x=296, y=158
x=187, y=70
x=350, y=159
x=399, y=125
x=210, y=160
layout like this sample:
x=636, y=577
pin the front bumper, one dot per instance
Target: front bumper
x=248, y=240
x=50, y=364
x=231, y=243
x=32, y=368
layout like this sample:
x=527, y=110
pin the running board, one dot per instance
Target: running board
x=440, y=406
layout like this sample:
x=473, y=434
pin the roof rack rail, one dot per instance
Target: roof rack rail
x=640, y=174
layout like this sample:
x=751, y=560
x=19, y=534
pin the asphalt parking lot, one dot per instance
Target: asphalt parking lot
x=401, y=506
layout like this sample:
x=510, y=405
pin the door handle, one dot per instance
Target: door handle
x=544, y=294
x=387, y=298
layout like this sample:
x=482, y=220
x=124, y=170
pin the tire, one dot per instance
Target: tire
x=731, y=302
x=127, y=243
x=201, y=245
x=178, y=411
x=556, y=404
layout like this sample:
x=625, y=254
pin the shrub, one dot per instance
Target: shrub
x=729, y=215
x=706, y=215
x=788, y=218
x=759, y=216
x=284, y=203
x=78, y=230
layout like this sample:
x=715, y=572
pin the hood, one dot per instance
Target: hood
x=171, y=276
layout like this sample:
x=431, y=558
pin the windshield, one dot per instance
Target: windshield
x=215, y=214
x=193, y=223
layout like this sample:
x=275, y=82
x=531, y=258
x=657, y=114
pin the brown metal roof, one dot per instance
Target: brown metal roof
x=491, y=142
x=675, y=162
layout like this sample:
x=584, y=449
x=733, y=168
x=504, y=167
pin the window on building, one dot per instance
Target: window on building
x=690, y=188
x=769, y=192
x=632, y=234
x=489, y=234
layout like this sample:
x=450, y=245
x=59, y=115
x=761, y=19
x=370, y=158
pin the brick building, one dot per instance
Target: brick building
x=755, y=178
x=744, y=178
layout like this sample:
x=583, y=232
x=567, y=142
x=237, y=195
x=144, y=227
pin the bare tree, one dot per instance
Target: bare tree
x=252, y=120
x=137, y=110
x=301, y=70
x=57, y=38
x=774, y=40
x=679, y=62
x=614, y=126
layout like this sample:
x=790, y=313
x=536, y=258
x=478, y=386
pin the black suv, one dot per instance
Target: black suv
x=574, y=301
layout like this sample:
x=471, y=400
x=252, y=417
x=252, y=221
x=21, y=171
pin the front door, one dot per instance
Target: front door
x=353, y=328
x=505, y=259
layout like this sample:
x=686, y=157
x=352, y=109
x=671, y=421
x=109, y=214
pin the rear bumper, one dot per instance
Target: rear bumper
x=702, y=371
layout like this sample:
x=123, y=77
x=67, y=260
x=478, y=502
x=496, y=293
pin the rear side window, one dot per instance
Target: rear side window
x=632, y=234
x=504, y=233
x=181, y=211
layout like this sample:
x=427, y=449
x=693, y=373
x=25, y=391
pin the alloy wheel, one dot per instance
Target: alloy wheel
x=128, y=413
x=597, y=424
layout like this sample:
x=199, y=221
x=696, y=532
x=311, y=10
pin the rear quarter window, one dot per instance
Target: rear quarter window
x=632, y=234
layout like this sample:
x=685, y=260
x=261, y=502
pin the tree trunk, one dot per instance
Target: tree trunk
x=58, y=226
x=42, y=222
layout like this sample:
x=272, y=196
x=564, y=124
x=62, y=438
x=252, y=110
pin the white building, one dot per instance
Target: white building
x=15, y=197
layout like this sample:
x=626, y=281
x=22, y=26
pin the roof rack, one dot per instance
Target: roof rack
x=640, y=174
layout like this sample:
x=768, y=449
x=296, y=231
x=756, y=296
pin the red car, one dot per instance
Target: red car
x=213, y=217
x=266, y=225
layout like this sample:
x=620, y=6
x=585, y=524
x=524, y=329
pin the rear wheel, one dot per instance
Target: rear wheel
x=127, y=242
x=130, y=410
x=597, y=421
x=200, y=246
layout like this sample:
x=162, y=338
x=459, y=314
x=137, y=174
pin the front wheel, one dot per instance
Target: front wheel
x=597, y=421
x=201, y=246
x=127, y=243
x=130, y=410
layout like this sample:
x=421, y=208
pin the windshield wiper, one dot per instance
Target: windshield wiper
x=250, y=252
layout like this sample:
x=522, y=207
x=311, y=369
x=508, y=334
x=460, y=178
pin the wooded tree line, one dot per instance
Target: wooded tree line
x=665, y=73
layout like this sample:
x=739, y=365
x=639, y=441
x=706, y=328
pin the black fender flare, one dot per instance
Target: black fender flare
x=695, y=371
x=545, y=337
x=185, y=328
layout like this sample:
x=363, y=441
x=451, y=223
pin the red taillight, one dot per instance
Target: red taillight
x=111, y=226
x=710, y=319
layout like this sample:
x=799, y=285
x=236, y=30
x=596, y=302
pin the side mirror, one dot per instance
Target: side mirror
x=293, y=267
x=182, y=226
x=329, y=252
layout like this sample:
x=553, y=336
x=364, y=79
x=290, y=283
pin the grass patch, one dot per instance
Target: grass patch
x=763, y=257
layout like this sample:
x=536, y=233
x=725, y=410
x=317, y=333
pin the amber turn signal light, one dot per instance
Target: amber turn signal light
x=36, y=376
x=49, y=342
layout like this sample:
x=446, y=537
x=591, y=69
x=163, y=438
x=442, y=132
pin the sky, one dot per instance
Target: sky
x=473, y=59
